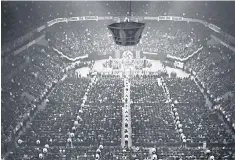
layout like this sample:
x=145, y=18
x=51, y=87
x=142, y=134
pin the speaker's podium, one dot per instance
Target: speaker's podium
x=127, y=33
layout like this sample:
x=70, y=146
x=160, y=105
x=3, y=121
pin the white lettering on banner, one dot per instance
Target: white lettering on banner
x=168, y=17
x=82, y=18
x=73, y=19
x=61, y=19
x=177, y=18
x=94, y=18
x=162, y=17
x=108, y=17
x=214, y=28
x=52, y=22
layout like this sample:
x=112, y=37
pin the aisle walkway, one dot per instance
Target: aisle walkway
x=126, y=116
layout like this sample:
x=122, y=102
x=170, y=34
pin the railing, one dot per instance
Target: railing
x=117, y=19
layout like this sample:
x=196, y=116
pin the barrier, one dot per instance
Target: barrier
x=223, y=43
x=39, y=38
x=30, y=43
x=214, y=28
x=20, y=50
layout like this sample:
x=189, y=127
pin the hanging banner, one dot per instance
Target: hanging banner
x=91, y=18
x=73, y=19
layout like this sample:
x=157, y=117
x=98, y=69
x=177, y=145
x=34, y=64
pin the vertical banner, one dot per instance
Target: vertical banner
x=137, y=54
x=117, y=54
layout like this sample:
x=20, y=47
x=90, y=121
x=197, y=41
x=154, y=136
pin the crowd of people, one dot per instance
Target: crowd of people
x=83, y=120
x=171, y=38
x=90, y=38
x=159, y=37
x=199, y=122
x=25, y=83
x=107, y=90
x=215, y=68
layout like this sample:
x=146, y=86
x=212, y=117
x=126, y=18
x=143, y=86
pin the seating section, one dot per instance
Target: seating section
x=146, y=90
x=199, y=122
x=215, y=68
x=107, y=90
x=26, y=82
x=100, y=124
x=80, y=114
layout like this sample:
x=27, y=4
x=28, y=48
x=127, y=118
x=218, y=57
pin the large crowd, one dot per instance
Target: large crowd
x=214, y=68
x=217, y=71
x=82, y=118
x=26, y=83
x=152, y=122
x=168, y=38
x=199, y=122
x=90, y=38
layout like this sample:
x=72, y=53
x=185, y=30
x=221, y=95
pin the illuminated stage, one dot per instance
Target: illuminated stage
x=128, y=65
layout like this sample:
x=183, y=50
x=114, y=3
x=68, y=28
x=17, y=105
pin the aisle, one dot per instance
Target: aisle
x=126, y=116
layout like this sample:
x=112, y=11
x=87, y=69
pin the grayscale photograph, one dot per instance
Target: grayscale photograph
x=117, y=80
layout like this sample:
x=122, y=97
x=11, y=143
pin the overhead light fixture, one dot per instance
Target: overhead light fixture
x=127, y=33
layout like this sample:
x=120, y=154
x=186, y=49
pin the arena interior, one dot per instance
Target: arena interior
x=68, y=92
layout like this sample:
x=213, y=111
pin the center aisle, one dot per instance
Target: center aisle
x=126, y=116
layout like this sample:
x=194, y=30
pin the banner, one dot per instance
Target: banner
x=162, y=17
x=100, y=18
x=214, y=28
x=52, y=22
x=91, y=18
x=150, y=18
x=61, y=20
x=41, y=28
x=179, y=64
x=150, y=53
x=108, y=17
x=73, y=19
x=168, y=18
x=82, y=18
x=177, y=18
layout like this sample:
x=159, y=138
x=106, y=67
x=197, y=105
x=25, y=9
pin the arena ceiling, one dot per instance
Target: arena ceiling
x=18, y=18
